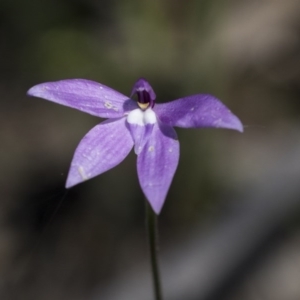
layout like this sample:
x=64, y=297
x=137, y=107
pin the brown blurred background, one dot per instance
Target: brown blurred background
x=230, y=228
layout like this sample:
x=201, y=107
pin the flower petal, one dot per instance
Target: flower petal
x=157, y=164
x=85, y=95
x=104, y=147
x=197, y=111
x=140, y=124
x=140, y=135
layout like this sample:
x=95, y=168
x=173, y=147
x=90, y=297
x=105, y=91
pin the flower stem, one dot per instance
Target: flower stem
x=151, y=223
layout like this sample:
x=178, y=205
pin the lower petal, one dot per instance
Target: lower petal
x=140, y=135
x=104, y=147
x=157, y=164
x=140, y=124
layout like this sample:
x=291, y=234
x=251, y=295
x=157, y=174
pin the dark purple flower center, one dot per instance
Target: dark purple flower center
x=144, y=99
x=145, y=94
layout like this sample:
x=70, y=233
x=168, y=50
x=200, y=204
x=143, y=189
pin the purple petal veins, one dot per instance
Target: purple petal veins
x=157, y=163
x=104, y=147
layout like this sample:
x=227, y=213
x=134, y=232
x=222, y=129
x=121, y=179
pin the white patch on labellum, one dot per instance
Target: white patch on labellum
x=149, y=116
x=141, y=118
x=136, y=116
x=151, y=149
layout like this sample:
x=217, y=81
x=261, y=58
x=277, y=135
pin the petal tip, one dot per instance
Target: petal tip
x=31, y=91
x=237, y=125
x=36, y=90
x=75, y=178
x=232, y=122
x=68, y=185
x=241, y=130
x=157, y=207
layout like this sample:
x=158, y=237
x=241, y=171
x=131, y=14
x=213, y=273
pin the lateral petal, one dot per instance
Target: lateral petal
x=85, y=95
x=197, y=111
x=101, y=149
x=157, y=163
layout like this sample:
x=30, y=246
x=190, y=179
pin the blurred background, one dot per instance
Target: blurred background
x=230, y=227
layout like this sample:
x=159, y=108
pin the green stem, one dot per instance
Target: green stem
x=153, y=244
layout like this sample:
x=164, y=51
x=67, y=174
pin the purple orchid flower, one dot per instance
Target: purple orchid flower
x=143, y=124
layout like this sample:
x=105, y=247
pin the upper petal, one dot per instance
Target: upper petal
x=145, y=93
x=157, y=163
x=197, y=111
x=104, y=147
x=85, y=95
